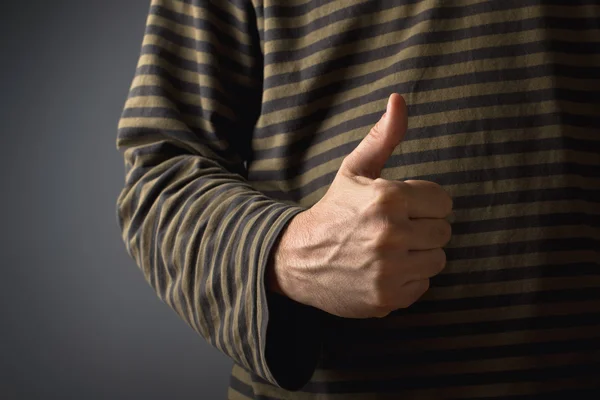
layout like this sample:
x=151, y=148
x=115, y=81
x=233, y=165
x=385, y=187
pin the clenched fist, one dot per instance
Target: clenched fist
x=370, y=245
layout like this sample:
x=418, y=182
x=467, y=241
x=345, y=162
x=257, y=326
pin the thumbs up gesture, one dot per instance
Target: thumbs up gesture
x=370, y=245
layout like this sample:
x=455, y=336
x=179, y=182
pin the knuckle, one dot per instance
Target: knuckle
x=380, y=298
x=346, y=164
x=381, y=312
x=383, y=236
x=376, y=132
x=403, y=237
x=418, y=289
x=389, y=187
x=448, y=203
x=444, y=200
x=380, y=208
x=405, y=302
x=382, y=189
x=402, y=247
x=440, y=259
x=388, y=194
x=380, y=241
x=445, y=231
x=423, y=288
x=426, y=285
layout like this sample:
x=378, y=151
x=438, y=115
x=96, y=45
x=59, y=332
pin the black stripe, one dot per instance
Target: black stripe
x=163, y=75
x=304, y=125
x=502, y=300
x=366, y=121
x=198, y=233
x=143, y=205
x=203, y=24
x=284, y=10
x=421, y=62
x=287, y=11
x=165, y=264
x=526, y=196
x=459, y=177
x=244, y=247
x=199, y=188
x=238, y=205
x=526, y=221
x=554, y=394
x=297, y=10
x=241, y=387
x=547, y=374
x=516, y=273
x=489, y=100
x=191, y=193
x=407, y=356
x=222, y=15
x=186, y=108
x=432, y=14
x=175, y=114
x=166, y=151
x=201, y=46
x=340, y=14
x=524, y=247
x=358, y=332
x=576, y=96
x=426, y=38
x=189, y=65
x=152, y=112
x=361, y=333
x=447, y=153
x=179, y=137
x=161, y=151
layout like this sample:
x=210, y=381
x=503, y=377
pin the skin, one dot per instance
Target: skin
x=370, y=245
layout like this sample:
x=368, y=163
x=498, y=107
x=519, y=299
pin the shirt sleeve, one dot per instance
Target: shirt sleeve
x=194, y=225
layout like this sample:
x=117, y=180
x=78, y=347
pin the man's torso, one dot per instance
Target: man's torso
x=504, y=112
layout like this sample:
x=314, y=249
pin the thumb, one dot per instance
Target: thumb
x=371, y=154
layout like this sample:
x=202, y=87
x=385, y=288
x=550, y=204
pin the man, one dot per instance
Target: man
x=307, y=236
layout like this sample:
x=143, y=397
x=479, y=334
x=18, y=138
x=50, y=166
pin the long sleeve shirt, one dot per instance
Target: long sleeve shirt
x=241, y=112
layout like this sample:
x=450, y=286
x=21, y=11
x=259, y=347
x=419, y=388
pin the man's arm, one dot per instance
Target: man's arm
x=193, y=224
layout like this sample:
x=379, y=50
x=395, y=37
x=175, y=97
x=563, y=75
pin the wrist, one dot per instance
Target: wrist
x=285, y=258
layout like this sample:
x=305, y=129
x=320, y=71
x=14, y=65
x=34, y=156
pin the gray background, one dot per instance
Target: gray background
x=78, y=320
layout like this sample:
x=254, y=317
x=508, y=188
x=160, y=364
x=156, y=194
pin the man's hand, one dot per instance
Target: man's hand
x=370, y=245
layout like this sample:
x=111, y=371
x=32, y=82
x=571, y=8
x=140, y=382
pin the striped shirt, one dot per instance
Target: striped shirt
x=241, y=112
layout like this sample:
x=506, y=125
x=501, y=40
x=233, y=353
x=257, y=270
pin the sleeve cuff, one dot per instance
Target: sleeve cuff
x=290, y=332
x=293, y=341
